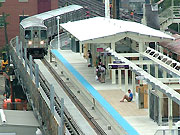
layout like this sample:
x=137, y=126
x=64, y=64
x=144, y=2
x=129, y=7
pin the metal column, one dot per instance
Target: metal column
x=133, y=84
x=80, y=47
x=107, y=10
x=126, y=80
x=113, y=71
x=170, y=115
x=160, y=97
x=119, y=79
x=141, y=49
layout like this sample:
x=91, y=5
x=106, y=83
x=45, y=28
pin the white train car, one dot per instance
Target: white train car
x=36, y=31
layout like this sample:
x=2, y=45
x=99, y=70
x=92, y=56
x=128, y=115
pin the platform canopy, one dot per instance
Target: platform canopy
x=105, y=30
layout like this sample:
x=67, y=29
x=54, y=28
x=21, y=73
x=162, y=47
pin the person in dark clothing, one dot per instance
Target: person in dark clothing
x=90, y=58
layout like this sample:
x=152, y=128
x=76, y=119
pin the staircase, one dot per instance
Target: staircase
x=169, y=16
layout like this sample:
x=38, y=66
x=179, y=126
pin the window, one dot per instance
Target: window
x=28, y=34
x=21, y=17
x=43, y=34
x=2, y=0
x=23, y=0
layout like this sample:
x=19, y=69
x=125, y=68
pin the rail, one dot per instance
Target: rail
x=97, y=8
x=172, y=12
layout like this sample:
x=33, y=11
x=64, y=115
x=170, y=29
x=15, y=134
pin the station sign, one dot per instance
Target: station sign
x=118, y=62
x=118, y=66
x=106, y=53
x=100, y=49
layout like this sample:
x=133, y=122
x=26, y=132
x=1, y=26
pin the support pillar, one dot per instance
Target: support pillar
x=119, y=79
x=170, y=115
x=113, y=46
x=160, y=95
x=149, y=92
x=80, y=48
x=107, y=9
x=156, y=71
x=126, y=80
x=149, y=69
x=141, y=49
x=113, y=76
x=133, y=84
x=113, y=71
x=164, y=74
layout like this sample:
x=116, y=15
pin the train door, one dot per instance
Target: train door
x=36, y=38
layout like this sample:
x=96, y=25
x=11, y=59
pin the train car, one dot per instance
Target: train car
x=36, y=31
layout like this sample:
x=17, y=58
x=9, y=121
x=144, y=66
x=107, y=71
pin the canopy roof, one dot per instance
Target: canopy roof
x=105, y=30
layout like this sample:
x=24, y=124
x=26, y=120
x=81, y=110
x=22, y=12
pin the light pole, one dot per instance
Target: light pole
x=58, y=30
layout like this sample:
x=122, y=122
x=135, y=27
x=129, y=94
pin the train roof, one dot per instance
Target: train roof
x=37, y=20
x=57, y=12
x=32, y=21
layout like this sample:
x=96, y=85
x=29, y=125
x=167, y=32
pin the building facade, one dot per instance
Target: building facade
x=20, y=9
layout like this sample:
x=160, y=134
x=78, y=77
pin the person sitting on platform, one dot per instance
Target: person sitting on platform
x=128, y=98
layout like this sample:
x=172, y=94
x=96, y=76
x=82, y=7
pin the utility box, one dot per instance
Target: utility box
x=142, y=91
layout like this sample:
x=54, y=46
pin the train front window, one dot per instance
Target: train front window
x=28, y=34
x=43, y=34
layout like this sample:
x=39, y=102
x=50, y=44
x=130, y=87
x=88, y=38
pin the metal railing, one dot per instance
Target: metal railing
x=172, y=12
x=168, y=132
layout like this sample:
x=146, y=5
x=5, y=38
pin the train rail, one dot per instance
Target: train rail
x=97, y=8
x=74, y=99
x=70, y=124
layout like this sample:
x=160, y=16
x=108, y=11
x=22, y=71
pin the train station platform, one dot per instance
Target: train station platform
x=127, y=114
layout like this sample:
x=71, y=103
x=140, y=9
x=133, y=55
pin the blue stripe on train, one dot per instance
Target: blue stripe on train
x=122, y=122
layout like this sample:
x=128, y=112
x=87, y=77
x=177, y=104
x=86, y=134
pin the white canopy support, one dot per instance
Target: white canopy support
x=171, y=93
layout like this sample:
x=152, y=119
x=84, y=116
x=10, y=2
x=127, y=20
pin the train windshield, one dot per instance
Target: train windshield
x=28, y=34
x=43, y=34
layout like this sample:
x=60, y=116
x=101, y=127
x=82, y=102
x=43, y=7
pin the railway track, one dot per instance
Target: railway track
x=68, y=120
x=97, y=8
x=69, y=123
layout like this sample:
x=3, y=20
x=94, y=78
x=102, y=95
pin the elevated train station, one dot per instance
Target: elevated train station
x=66, y=96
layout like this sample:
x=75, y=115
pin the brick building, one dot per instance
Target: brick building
x=19, y=9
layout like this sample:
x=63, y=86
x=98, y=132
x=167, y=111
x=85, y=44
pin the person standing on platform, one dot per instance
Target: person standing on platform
x=128, y=98
x=103, y=70
x=90, y=58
